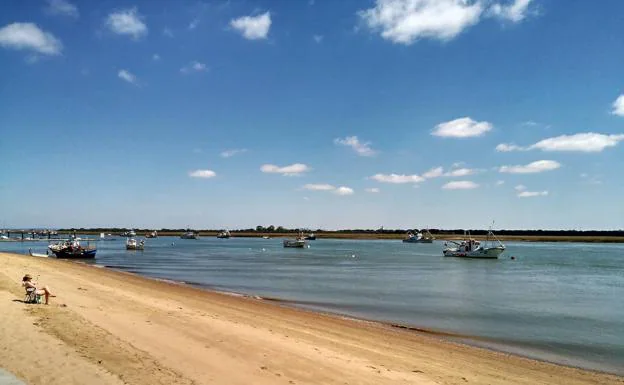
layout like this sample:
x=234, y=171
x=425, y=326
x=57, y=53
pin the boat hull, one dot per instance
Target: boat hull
x=294, y=244
x=488, y=253
x=82, y=254
x=418, y=240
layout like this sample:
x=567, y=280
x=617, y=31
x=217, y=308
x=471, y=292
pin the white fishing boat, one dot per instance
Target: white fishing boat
x=189, y=235
x=130, y=233
x=133, y=244
x=492, y=248
x=419, y=237
x=299, y=242
x=224, y=234
x=152, y=234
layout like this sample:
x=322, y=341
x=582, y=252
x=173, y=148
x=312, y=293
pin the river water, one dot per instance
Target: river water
x=560, y=302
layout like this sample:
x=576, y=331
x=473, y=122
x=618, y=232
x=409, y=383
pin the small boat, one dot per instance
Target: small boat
x=189, y=235
x=419, y=237
x=37, y=254
x=310, y=237
x=130, y=233
x=133, y=244
x=298, y=242
x=72, y=249
x=471, y=248
x=224, y=234
x=152, y=234
x=266, y=237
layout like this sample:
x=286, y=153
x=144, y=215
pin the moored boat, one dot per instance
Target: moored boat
x=152, y=234
x=72, y=249
x=310, y=237
x=224, y=234
x=130, y=233
x=471, y=248
x=189, y=234
x=419, y=237
x=298, y=242
x=133, y=244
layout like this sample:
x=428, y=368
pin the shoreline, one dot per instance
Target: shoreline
x=283, y=315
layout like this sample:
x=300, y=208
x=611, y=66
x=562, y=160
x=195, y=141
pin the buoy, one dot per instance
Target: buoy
x=352, y=255
x=513, y=258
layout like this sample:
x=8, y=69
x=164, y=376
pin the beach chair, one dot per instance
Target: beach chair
x=32, y=296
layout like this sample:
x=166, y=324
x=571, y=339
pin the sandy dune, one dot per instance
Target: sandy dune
x=107, y=327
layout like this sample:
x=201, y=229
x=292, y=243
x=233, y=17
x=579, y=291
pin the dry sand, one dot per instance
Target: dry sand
x=107, y=327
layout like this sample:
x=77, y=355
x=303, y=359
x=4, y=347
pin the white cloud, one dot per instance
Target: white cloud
x=500, y=182
x=202, y=174
x=516, y=11
x=460, y=185
x=291, y=170
x=397, y=178
x=531, y=168
x=127, y=22
x=167, y=32
x=529, y=123
x=342, y=190
x=461, y=172
x=361, y=148
x=520, y=187
x=584, y=142
x=433, y=173
x=618, y=106
x=406, y=21
x=27, y=36
x=62, y=8
x=319, y=187
x=531, y=194
x=127, y=76
x=193, y=66
x=372, y=190
x=318, y=38
x=155, y=57
x=461, y=128
x=507, y=147
x=231, y=153
x=193, y=24
x=253, y=27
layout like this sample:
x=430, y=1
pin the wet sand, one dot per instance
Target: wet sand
x=108, y=327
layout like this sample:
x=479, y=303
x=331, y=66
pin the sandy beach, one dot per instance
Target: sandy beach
x=108, y=327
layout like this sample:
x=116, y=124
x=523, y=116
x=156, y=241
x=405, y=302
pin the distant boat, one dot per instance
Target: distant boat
x=419, y=237
x=298, y=242
x=471, y=248
x=224, y=234
x=72, y=249
x=189, y=235
x=133, y=244
x=310, y=237
x=130, y=233
x=152, y=234
x=266, y=237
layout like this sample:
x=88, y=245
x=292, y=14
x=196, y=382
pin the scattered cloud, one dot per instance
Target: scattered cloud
x=127, y=76
x=342, y=190
x=155, y=57
x=434, y=173
x=253, y=27
x=515, y=12
x=231, y=153
x=500, y=182
x=193, y=66
x=292, y=170
x=520, y=187
x=27, y=36
x=318, y=38
x=618, y=106
x=397, y=178
x=406, y=21
x=529, y=123
x=591, y=179
x=372, y=190
x=62, y=8
x=460, y=185
x=531, y=194
x=531, y=168
x=361, y=148
x=206, y=174
x=319, y=187
x=193, y=24
x=127, y=22
x=582, y=142
x=459, y=172
x=167, y=32
x=461, y=128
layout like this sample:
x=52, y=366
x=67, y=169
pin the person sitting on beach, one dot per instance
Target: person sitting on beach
x=28, y=283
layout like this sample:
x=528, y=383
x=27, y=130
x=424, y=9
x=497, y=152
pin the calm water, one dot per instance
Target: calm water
x=562, y=302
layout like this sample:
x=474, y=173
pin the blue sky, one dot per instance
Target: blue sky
x=334, y=114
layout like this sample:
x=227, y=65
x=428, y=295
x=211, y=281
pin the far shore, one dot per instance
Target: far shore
x=381, y=236
x=110, y=327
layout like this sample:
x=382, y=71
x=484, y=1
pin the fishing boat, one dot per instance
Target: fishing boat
x=224, y=234
x=72, y=249
x=266, y=237
x=130, y=233
x=133, y=244
x=310, y=237
x=298, y=242
x=419, y=237
x=471, y=248
x=152, y=234
x=189, y=234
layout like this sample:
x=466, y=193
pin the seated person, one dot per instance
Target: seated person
x=28, y=283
